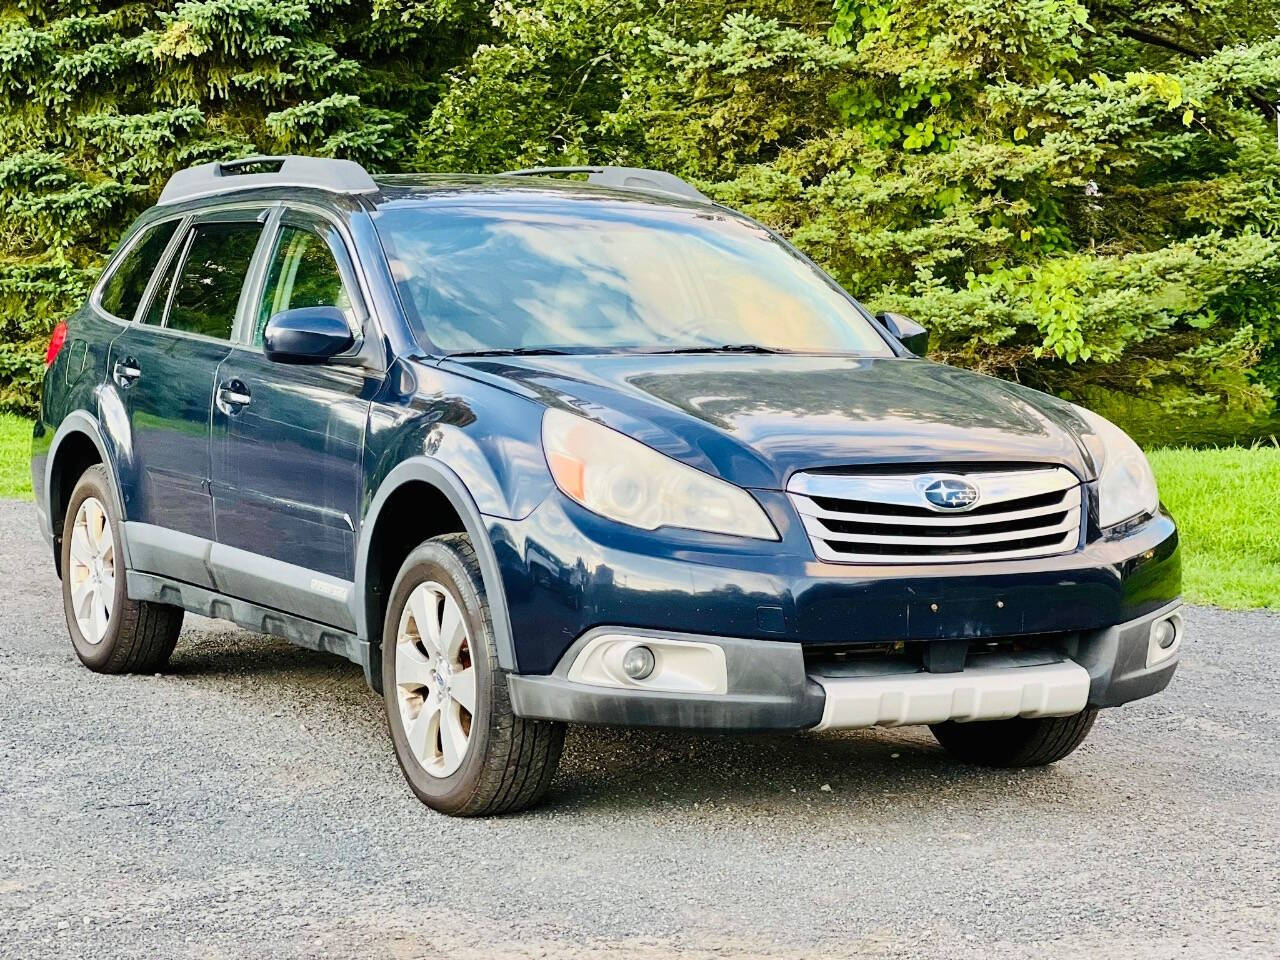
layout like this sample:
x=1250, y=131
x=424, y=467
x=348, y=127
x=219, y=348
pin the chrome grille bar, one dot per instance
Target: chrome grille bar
x=885, y=518
x=947, y=538
x=808, y=508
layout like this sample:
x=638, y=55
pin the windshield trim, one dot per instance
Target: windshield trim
x=636, y=351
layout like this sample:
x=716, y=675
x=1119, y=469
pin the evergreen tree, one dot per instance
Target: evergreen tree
x=1081, y=194
x=100, y=102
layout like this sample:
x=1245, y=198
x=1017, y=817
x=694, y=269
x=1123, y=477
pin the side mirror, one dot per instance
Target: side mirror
x=909, y=333
x=307, y=335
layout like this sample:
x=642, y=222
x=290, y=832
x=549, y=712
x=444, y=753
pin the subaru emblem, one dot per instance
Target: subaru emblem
x=951, y=493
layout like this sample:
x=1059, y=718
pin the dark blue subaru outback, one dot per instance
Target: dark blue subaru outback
x=534, y=451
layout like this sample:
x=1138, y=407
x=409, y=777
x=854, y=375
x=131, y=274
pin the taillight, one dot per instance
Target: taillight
x=56, y=341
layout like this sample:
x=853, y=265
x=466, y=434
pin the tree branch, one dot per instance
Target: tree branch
x=1269, y=110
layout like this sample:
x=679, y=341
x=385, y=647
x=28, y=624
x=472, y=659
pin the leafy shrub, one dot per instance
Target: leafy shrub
x=1082, y=196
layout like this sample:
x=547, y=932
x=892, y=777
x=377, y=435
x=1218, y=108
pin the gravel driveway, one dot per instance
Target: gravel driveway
x=247, y=804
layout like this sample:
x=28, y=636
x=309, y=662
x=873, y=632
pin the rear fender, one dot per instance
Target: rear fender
x=81, y=423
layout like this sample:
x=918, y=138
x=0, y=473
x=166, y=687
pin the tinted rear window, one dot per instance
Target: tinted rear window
x=123, y=289
x=213, y=272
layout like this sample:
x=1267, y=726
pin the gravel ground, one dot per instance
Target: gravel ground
x=247, y=803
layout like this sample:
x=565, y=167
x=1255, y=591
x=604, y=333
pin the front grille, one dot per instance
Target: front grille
x=886, y=518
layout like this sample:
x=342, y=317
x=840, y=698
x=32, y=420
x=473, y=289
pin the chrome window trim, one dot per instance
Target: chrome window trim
x=362, y=294
x=131, y=240
x=362, y=297
x=371, y=326
x=171, y=250
x=183, y=237
x=342, y=259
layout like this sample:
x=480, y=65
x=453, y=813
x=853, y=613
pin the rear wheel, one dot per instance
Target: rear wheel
x=110, y=632
x=1018, y=742
x=462, y=749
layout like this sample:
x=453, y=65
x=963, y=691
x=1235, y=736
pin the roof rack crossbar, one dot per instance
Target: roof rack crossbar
x=625, y=178
x=222, y=176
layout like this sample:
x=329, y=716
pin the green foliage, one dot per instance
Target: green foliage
x=100, y=102
x=15, y=457
x=1230, y=527
x=1079, y=194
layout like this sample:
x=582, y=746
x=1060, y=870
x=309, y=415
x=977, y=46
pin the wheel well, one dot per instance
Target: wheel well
x=415, y=512
x=76, y=454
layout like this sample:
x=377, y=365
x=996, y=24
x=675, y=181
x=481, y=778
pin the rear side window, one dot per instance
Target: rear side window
x=208, y=288
x=303, y=273
x=122, y=291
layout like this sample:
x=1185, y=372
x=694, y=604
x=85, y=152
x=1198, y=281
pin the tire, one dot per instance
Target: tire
x=1019, y=742
x=505, y=763
x=110, y=632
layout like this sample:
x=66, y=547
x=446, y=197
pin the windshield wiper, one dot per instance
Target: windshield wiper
x=726, y=348
x=510, y=352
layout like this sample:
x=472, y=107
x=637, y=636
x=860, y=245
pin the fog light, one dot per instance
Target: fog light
x=1164, y=639
x=638, y=662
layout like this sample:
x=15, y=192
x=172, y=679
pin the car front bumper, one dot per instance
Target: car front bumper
x=566, y=572
x=769, y=686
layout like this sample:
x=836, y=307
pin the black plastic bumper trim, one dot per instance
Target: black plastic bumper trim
x=770, y=690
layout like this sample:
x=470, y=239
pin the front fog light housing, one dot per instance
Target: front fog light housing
x=1165, y=638
x=638, y=662
x=651, y=662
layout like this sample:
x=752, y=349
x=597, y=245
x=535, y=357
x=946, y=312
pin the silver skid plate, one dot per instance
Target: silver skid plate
x=981, y=693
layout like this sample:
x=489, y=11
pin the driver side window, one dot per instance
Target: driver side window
x=302, y=273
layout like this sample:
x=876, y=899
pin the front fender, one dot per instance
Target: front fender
x=489, y=438
x=443, y=478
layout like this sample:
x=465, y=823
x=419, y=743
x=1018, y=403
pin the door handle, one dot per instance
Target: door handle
x=233, y=396
x=126, y=371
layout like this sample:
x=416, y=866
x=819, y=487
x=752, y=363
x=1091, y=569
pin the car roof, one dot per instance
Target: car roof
x=347, y=184
x=500, y=190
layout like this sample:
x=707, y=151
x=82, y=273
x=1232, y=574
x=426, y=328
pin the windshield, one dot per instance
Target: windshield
x=580, y=275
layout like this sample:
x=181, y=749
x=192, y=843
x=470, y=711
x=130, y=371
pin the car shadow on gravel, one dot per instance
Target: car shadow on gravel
x=607, y=769
x=216, y=649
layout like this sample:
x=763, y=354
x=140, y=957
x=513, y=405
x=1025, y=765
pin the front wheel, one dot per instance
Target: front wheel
x=1018, y=742
x=462, y=749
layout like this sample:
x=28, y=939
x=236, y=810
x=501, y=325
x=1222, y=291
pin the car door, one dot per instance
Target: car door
x=163, y=366
x=288, y=439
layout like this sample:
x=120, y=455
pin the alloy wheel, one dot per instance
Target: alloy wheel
x=93, y=570
x=435, y=679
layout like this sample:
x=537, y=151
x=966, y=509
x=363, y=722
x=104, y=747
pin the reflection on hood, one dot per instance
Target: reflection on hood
x=756, y=419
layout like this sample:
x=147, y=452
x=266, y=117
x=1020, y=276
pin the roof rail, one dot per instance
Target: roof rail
x=626, y=178
x=209, y=179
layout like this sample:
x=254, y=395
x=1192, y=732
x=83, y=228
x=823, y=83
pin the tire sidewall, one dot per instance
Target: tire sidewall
x=93, y=483
x=436, y=561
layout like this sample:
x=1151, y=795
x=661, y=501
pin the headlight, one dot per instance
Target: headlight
x=622, y=479
x=1126, y=485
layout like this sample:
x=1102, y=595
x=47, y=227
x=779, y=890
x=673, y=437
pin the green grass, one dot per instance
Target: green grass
x=15, y=457
x=1226, y=502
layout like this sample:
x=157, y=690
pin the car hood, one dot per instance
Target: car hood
x=755, y=419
